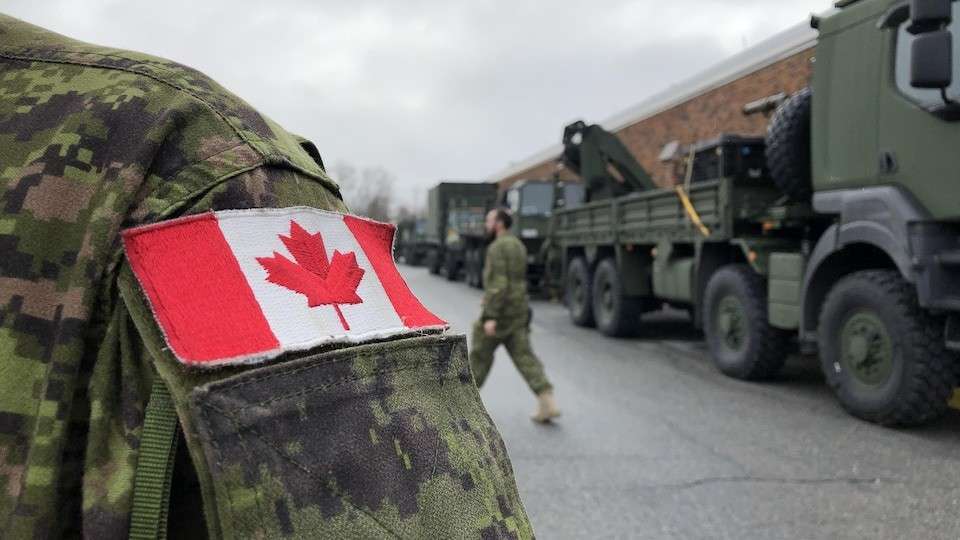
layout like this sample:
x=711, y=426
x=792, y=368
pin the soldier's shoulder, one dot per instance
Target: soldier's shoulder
x=514, y=241
x=24, y=42
x=499, y=243
x=171, y=88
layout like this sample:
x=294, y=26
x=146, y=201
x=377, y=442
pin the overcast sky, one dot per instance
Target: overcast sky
x=431, y=89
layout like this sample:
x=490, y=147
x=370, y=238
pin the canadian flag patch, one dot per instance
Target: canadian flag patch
x=241, y=286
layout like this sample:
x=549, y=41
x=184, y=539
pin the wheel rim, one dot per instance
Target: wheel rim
x=866, y=349
x=606, y=296
x=731, y=324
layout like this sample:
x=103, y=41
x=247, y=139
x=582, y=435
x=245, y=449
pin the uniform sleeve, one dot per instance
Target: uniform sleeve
x=384, y=439
x=495, y=285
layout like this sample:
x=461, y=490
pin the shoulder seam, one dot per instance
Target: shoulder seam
x=6, y=53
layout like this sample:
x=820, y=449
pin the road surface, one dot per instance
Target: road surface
x=655, y=443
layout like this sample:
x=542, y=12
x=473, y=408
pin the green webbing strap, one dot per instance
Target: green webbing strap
x=158, y=447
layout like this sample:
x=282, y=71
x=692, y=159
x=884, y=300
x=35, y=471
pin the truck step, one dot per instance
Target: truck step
x=949, y=258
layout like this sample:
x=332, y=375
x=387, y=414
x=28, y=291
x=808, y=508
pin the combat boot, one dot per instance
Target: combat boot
x=546, y=407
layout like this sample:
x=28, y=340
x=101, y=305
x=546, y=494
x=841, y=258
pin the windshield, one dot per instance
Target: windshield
x=537, y=199
x=466, y=219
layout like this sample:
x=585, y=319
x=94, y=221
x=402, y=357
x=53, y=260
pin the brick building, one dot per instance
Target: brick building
x=700, y=108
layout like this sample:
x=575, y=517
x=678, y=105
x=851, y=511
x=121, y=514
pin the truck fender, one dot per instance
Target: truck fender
x=872, y=220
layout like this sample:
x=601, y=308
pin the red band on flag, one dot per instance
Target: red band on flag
x=376, y=240
x=197, y=290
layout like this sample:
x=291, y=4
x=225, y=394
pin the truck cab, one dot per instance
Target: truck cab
x=410, y=244
x=533, y=203
x=880, y=293
x=454, y=231
x=884, y=132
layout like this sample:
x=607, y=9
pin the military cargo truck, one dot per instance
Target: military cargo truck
x=411, y=246
x=455, y=215
x=459, y=246
x=532, y=203
x=847, y=245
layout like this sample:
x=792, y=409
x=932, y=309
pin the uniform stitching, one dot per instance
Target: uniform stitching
x=397, y=346
x=219, y=455
x=441, y=408
x=25, y=56
x=217, y=111
x=334, y=383
x=256, y=485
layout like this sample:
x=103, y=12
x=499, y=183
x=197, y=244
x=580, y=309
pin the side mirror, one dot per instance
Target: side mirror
x=931, y=62
x=929, y=15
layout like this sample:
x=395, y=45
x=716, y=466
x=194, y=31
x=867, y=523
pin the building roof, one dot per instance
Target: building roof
x=765, y=53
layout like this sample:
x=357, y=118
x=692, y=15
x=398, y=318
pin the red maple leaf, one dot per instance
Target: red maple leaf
x=324, y=283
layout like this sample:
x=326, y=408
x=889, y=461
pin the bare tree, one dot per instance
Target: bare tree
x=367, y=192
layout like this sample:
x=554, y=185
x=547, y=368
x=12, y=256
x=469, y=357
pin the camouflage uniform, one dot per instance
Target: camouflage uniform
x=392, y=439
x=505, y=301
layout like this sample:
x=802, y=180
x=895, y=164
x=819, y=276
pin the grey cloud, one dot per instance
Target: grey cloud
x=431, y=89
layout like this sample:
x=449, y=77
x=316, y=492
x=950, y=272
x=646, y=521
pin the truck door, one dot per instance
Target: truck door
x=918, y=144
x=846, y=75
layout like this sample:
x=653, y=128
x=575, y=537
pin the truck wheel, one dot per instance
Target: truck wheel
x=433, y=262
x=615, y=313
x=474, y=273
x=579, y=299
x=741, y=341
x=881, y=354
x=471, y=272
x=788, y=146
x=453, y=270
x=468, y=268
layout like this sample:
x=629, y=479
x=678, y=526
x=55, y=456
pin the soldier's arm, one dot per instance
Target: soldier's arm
x=495, y=287
x=386, y=439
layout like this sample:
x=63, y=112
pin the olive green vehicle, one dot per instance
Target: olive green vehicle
x=411, y=243
x=454, y=228
x=844, y=240
x=454, y=241
x=532, y=203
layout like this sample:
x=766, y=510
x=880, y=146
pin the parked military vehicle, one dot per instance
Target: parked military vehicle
x=454, y=242
x=845, y=239
x=454, y=228
x=532, y=203
x=411, y=244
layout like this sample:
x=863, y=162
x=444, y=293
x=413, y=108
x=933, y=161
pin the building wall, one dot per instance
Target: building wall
x=704, y=117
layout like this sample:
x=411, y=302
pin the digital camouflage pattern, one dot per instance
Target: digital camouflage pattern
x=380, y=440
x=406, y=465
x=505, y=300
x=505, y=297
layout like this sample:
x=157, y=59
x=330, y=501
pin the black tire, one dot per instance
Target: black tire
x=911, y=385
x=471, y=275
x=742, y=343
x=616, y=314
x=579, y=298
x=452, y=269
x=433, y=262
x=788, y=146
x=468, y=268
x=473, y=270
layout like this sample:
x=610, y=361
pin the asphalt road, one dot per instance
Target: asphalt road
x=655, y=443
